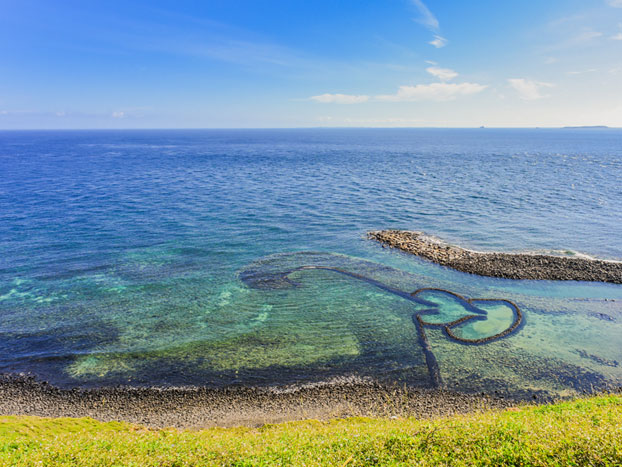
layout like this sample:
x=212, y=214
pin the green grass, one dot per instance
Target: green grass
x=582, y=432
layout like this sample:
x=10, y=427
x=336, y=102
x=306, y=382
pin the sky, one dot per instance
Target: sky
x=71, y=64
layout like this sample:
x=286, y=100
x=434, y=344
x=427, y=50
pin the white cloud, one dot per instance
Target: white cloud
x=427, y=18
x=438, y=41
x=618, y=36
x=339, y=99
x=444, y=74
x=118, y=114
x=528, y=89
x=615, y=3
x=433, y=92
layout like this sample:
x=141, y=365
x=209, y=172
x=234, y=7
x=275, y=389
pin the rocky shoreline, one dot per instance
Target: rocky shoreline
x=196, y=407
x=505, y=265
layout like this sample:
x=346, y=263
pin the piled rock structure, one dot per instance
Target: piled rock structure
x=506, y=265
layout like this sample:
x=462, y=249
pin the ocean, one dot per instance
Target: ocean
x=125, y=256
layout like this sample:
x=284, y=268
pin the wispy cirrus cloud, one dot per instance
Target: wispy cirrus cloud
x=587, y=36
x=615, y=3
x=427, y=19
x=340, y=98
x=571, y=33
x=581, y=72
x=528, y=89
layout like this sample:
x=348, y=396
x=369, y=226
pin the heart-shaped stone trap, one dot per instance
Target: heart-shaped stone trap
x=500, y=316
x=442, y=307
x=470, y=321
x=474, y=321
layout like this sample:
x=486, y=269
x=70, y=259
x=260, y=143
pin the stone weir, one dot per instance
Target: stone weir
x=506, y=265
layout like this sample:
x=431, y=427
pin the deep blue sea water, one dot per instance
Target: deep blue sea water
x=123, y=254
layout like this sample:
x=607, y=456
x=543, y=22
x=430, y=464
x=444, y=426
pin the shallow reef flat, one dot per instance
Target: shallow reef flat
x=498, y=264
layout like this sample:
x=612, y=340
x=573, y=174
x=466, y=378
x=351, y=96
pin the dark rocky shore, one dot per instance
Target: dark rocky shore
x=201, y=407
x=506, y=265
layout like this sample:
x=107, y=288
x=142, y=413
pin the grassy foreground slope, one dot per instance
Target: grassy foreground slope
x=582, y=432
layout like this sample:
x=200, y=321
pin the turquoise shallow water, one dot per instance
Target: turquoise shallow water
x=156, y=257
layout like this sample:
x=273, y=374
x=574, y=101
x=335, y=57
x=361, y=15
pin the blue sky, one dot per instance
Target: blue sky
x=233, y=63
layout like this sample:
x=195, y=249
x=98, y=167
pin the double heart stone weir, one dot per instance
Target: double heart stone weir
x=458, y=316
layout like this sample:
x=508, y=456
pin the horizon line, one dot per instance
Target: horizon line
x=482, y=127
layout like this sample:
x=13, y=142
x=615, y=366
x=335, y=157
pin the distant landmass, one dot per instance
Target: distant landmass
x=586, y=127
